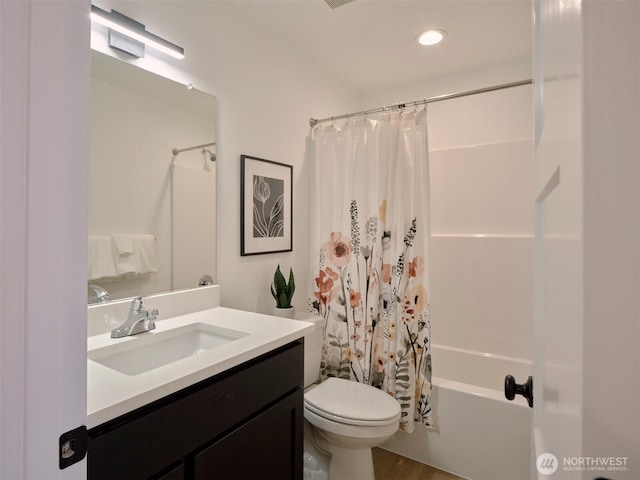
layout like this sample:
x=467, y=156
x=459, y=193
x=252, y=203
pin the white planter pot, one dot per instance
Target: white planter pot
x=285, y=312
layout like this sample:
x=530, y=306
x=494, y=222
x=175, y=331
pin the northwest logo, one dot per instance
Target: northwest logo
x=547, y=464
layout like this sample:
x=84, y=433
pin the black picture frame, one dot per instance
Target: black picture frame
x=266, y=206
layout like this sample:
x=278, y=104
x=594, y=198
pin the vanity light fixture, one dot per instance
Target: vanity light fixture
x=135, y=31
x=431, y=37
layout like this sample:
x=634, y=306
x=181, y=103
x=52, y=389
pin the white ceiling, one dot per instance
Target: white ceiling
x=370, y=44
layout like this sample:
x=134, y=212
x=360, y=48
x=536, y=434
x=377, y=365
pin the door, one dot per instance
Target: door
x=44, y=86
x=587, y=240
x=273, y=438
x=558, y=244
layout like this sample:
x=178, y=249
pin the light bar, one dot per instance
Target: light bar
x=129, y=27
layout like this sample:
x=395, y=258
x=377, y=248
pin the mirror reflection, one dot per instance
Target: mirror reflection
x=152, y=178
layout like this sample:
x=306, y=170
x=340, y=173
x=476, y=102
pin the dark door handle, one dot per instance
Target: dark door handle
x=511, y=389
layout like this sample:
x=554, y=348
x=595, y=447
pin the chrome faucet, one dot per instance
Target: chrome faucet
x=97, y=294
x=138, y=321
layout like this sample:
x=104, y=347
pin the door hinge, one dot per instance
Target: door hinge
x=72, y=446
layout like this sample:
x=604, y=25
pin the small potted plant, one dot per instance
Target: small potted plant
x=282, y=291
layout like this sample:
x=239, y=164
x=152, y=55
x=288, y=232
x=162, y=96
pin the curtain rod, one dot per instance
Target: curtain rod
x=399, y=106
x=177, y=151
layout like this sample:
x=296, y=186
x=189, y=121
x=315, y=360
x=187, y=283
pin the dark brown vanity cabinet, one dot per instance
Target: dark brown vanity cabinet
x=242, y=424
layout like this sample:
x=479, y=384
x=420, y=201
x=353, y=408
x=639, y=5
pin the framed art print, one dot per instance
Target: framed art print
x=266, y=206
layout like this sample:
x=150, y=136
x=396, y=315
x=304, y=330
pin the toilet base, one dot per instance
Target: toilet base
x=315, y=460
x=351, y=464
x=346, y=440
x=350, y=458
x=324, y=461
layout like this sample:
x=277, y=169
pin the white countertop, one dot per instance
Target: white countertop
x=112, y=393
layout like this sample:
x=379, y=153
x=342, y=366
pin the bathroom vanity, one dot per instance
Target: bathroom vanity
x=244, y=423
x=210, y=392
x=231, y=409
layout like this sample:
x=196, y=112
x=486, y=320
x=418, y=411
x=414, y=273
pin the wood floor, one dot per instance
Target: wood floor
x=389, y=466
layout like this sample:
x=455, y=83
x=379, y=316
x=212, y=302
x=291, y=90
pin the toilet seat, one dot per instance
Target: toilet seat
x=352, y=403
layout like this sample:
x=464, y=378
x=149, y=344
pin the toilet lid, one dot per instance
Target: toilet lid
x=352, y=402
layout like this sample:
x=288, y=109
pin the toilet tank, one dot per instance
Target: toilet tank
x=312, y=347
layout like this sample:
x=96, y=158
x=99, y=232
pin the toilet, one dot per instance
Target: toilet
x=343, y=419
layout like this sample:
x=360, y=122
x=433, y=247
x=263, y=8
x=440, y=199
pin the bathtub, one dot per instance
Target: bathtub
x=479, y=434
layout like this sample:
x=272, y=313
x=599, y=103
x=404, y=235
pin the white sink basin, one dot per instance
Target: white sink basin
x=151, y=350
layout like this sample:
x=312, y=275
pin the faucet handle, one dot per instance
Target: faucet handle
x=138, y=321
x=137, y=305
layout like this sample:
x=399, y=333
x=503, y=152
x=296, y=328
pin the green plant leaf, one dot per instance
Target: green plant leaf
x=282, y=292
x=291, y=287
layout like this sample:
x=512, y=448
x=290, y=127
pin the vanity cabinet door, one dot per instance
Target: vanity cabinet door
x=146, y=443
x=175, y=473
x=267, y=446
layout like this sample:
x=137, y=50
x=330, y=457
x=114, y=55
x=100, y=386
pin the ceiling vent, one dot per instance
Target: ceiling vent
x=337, y=3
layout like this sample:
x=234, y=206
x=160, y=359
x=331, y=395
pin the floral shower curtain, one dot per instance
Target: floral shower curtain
x=369, y=235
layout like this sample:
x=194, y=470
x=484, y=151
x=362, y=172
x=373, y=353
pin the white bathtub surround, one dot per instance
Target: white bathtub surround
x=481, y=369
x=483, y=285
x=193, y=229
x=481, y=278
x=481, y=172
x=479, y=435
x=369, y=244
x=483, y=189
x=482, y=248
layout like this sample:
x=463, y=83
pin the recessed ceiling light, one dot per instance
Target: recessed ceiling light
x=431, y=37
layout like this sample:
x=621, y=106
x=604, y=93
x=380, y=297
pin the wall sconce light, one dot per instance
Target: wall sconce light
x=129, y=36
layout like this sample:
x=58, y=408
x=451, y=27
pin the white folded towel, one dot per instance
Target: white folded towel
x=125, y=264
x=101, y=264
x=123, y=244
x=144, y=253
x=121, y=256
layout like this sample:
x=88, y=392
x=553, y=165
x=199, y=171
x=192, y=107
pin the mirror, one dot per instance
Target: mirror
x=152, y=213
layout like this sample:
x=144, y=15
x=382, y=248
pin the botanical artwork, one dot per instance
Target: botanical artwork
x=370, y=290
x=268, y=207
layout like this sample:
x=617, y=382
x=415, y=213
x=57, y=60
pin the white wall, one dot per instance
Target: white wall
x=482, y=208
x=266, y=94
